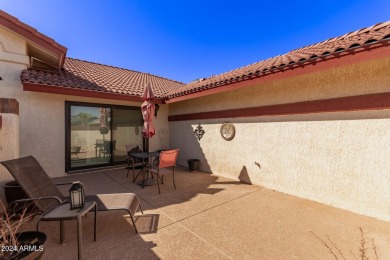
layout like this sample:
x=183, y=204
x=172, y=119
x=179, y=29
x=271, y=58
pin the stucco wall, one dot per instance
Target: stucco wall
x=9, y=145
x=358, y=79
x=161, y=138
x=341, y=159
x=42, y=115
x=12, y=57
x=42, y=127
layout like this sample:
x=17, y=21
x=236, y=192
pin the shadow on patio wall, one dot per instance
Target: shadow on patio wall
x=191, y=148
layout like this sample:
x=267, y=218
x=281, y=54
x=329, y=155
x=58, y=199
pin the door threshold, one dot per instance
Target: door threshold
x=97, y=169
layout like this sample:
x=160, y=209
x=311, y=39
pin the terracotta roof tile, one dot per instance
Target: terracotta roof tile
x=91, y=76
x=364, y=37
x=79, y=74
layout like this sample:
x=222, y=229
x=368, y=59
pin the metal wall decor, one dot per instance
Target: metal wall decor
x=228, y=131
x=199, y=132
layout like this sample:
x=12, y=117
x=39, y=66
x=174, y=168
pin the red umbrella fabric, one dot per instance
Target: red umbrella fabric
x=148, y=109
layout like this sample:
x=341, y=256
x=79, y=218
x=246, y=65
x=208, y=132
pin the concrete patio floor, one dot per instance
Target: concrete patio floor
x=211, y=217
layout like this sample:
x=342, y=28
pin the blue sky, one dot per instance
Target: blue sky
x=186, y=40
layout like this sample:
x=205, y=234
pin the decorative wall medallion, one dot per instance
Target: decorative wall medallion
x=228, y=131
x=199, y=132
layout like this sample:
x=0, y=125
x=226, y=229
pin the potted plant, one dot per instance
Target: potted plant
x=77, y=143
x=103, y=130
x=13, y=192
x=15, y=244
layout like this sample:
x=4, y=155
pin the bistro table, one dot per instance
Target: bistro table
x=63, y=212
x=146, y=162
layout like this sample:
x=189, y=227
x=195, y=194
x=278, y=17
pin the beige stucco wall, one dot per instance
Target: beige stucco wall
x=42, y=115
x=12, y=57
x=9, y=145
x=42, y=127
x=358, y=79
x=341, y=159
x=9, y=137
x=161, y=138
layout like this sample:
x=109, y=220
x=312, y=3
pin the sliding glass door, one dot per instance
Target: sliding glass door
x=96, y=134
x=126, y=129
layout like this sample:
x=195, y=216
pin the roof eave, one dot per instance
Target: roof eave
x=61, y=90
x=30, y=34
x=351, y=56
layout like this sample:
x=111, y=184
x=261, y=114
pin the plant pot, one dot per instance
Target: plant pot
x=31, y=246
x=31, y=251
x=193, y=165
x=75, y=149
x=14, y=192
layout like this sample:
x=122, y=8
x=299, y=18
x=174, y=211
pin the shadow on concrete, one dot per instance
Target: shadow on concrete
x=161, y=211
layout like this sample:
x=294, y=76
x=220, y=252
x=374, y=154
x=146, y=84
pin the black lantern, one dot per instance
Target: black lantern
x=76, y=193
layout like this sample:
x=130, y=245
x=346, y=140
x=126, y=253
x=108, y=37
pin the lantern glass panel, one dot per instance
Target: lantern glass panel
x=76, y=193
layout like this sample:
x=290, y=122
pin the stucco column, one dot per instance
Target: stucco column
x=9, y=137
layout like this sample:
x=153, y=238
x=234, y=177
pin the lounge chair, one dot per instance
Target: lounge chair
x=44, y=193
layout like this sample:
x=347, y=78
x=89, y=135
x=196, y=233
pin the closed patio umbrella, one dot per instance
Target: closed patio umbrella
x=148, y=109
x=103, y=122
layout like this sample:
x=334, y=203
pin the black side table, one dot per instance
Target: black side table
x=63, y=212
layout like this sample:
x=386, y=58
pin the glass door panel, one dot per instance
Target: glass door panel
x=90, y=136
x=97, y=134
x=126, y=129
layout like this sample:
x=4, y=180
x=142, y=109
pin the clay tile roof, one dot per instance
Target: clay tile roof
x=89, y=76
x=84, y=75
x=335, y=46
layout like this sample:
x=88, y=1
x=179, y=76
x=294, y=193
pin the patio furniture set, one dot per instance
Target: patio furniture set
x=164, y=160
x=52, y=205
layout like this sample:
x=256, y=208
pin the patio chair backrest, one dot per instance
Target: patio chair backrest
x=129, y=147
x=34, y=181
x=168, y=158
